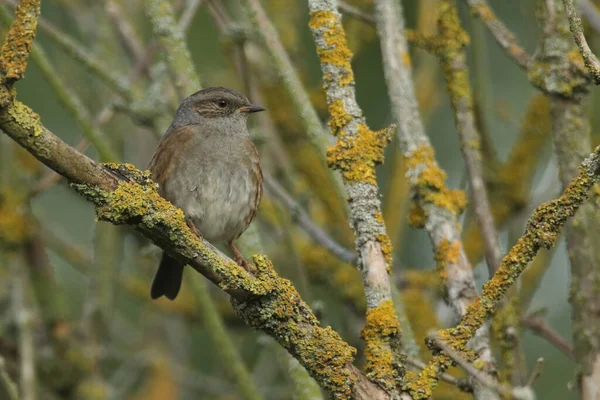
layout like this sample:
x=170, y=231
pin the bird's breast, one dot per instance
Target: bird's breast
x=219, y=190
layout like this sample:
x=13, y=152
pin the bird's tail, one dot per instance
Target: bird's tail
x=167, y=280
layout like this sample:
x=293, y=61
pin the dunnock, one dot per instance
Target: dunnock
x=207, y=165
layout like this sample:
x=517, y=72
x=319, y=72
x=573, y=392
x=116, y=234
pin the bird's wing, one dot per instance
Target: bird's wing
x=167, y=154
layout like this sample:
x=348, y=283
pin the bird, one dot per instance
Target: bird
x=207, y=165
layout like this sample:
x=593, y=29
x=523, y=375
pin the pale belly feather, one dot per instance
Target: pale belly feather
x=217, y=195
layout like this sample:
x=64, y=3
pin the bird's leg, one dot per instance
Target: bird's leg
x=193, y=228
x=239, y=258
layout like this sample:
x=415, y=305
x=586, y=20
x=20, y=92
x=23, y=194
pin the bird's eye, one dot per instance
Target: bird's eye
x=222, y=103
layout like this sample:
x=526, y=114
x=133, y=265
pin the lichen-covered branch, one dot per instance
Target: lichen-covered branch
x=19, y=41
x=503, y=36
x=590, y=60
x=436, y=208
x=572, y=141
x=124, y=195
x=267, y=302
x=357, y=151
x=542, y=231
x=454, y=66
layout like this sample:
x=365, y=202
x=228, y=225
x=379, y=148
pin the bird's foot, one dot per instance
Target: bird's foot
x=193, y=228
x=239, y=259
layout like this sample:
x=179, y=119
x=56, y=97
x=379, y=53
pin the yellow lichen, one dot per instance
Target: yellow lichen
x=381, y=334
x=416, y=217
x=339, y=118
x=430, y=185
x=447, y=253
x=15, y=226
x=356, y=156
x=406, y=59
x=337, y=52
x=386, y=249
x=19, y=41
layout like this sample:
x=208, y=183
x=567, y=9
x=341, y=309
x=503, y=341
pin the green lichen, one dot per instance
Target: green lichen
x=28, y=119
x=504, y=333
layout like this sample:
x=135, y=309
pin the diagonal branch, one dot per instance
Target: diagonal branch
x=542, y=231
x=589, y=59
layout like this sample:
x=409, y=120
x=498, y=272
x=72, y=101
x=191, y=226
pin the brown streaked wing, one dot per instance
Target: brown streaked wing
x=167, y=154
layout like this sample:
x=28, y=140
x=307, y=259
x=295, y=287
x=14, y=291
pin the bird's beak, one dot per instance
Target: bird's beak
x=250, y=108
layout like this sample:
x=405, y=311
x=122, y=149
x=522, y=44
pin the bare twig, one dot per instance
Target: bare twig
x=540, y=327
x=24, y=315
x=127, y=35
x=188, y=14
x=590, y=13
x=521, y=393
x=305, y=222
x=317, y=134
x=536, y=371
x=355, y=12
x=9, y=384
x=503, y=36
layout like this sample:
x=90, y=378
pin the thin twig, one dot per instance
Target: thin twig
x=355, y=12
x=24, y=315
x=540, y=327
x=317, y=134
x=305, y=222
x=536, y=371
x=218, y=334
x=454, y=65
x=503, y=36
x=170, y=35
x=79, y=53
x=188, y=14
x=521, y=393
x=9, y=384
x=126, y=33
x=589, y=59
x=462, y=384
